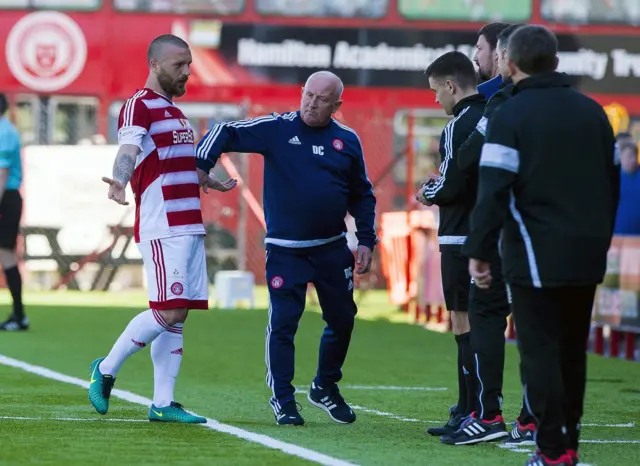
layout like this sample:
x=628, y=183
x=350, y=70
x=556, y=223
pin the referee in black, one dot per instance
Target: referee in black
x=453, y=80
x=550, y=180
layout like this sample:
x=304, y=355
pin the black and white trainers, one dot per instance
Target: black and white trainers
x=13, y=325
x=330, y=400
x=474, y=431
x=521, y=435
x=288, y=414
x=453, y=424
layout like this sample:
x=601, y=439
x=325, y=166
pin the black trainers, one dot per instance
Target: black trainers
x=453, y=424
x=521, y=435
x=330, y=400
x=474, y=431
x=13, y=325
x=288, y=415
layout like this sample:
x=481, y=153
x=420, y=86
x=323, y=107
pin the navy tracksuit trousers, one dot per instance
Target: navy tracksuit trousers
x=330, y=268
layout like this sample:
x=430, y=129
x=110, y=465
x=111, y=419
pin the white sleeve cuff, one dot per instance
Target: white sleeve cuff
x=131, y=135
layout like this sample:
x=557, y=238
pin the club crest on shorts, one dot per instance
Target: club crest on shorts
x=338, y=144
x=177, y=289
x=277, y=282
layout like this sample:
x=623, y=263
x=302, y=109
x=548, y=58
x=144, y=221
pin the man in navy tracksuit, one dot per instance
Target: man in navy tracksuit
x=314, y=174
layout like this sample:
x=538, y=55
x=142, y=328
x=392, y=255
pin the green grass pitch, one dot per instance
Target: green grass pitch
x=50, y=422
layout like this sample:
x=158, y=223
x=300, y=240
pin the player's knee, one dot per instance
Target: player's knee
x=174, y=316
x=283, y=328
x=8, y=258
x=341, y=325
x=460, y=322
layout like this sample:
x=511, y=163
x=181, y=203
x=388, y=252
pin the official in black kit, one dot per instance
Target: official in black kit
x=453, y=79
x=549, y=179
x=490, y=307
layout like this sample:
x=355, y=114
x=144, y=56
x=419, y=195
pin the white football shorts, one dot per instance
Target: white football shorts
x=176, y=271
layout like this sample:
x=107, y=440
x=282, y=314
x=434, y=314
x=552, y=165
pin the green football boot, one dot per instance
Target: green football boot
x=100, y=386
x=174, y=413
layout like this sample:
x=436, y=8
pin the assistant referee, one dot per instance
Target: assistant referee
x=10, y=213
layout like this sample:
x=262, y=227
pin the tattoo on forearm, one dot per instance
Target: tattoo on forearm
x=123, y=168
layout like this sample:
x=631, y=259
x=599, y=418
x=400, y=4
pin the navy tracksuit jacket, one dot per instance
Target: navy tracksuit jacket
x=312, y=178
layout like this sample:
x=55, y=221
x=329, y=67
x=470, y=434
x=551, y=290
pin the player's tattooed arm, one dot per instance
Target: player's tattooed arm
x=125, y=163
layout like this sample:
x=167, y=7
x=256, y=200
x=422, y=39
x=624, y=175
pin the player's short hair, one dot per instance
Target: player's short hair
x=506, y=33
x=156, y=44
x=455, y=66
x=623, y=135
x=490, y=32
x=4, y=104
x=533, y=49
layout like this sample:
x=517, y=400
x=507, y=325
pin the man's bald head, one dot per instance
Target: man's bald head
x=328, y=80
x=321, y=98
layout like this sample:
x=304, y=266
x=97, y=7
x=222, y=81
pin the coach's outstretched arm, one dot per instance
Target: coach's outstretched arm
x=252, y=136
x=499, y=166
x=362, y=203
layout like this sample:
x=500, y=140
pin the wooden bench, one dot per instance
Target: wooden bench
x=68, y=265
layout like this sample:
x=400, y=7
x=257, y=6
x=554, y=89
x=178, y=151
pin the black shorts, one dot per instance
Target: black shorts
x=492, y=301
x=10, y=213
x=456, y=280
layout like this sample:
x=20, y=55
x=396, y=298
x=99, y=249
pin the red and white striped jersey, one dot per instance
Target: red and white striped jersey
x=164, y=182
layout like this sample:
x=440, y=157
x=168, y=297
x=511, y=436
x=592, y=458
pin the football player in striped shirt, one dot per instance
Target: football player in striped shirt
x=157, y=156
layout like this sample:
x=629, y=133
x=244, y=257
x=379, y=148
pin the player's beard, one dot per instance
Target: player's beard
x=483, y=75
x=173, y=88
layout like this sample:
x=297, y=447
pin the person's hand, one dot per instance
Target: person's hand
x=222, y=186
x=364, y=256
x=116, y=191
x=208, y=180
x=420, y=194
x=480, y=271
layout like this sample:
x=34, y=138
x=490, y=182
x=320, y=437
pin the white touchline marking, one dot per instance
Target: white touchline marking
x=408, y=419
x=77, y=419
x=610, y=441
x=380, y=413
x=390, y=415
x=628, y=424
x=514, y=448
x=386, y=387
x=212, y=424
x=391, y=387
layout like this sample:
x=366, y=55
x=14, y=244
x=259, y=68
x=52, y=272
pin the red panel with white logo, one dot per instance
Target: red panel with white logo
x=49, y=52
